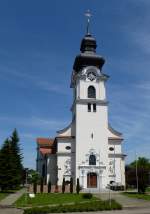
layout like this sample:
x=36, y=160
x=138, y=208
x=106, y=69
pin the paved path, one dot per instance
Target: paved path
x=11, y=198
x=125, y=201
x=135, y=211
x=10, y=211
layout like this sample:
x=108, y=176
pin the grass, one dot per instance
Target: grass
x=137, y=195
x=3, y=195
x=78, y=207
x=50, y=199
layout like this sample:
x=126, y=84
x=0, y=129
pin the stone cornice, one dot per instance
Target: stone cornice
x=63, y=154
x=116, y=155
x=90, y=100
x=91, y=167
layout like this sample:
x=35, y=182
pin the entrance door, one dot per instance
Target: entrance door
x=91, y=180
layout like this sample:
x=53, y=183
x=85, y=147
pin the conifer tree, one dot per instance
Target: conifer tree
x=11, y=168
x=7, y=179
x=17, y=158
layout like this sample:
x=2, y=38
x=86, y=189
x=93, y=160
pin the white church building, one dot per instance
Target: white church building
x=89, y=148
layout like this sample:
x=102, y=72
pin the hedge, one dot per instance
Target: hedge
x=78, y=207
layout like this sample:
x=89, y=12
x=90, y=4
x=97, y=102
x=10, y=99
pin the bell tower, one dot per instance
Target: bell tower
x=90, y=116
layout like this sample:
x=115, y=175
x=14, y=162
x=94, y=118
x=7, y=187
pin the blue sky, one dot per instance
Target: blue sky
x=38, y=43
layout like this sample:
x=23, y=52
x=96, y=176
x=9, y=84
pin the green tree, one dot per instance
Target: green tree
x=7, y=178
x=17, y=158
x=11, y=168
x=33, y=177
x=142, y=165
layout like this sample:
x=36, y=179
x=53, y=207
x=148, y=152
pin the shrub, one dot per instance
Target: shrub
x=117, y=188
x=49, y=186
x=71, y=185
x=78, y=186
x=35, y=187
x=63, y=185
x=87, y=195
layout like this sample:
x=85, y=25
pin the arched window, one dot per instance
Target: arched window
x=92, y=160
x=91, y=92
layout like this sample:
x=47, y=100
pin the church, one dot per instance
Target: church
x=88, y=148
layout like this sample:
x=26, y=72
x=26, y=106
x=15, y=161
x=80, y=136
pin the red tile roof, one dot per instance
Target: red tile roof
x=46, y=146
x=45, y=141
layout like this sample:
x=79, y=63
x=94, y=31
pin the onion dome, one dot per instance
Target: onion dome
x=88, y=56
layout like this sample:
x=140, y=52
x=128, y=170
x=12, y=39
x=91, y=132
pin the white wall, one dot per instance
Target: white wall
x=52, y=169
x=88, y=123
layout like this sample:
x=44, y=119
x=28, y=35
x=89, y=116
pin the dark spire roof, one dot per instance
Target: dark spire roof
x=88, y=56
x=88, y=44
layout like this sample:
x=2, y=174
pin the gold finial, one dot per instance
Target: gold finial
x=88, y=15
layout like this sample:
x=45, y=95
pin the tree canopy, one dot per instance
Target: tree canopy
x=138, y=174
x=11, y=167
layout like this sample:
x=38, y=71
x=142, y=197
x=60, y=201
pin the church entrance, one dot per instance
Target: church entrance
x=91, y=180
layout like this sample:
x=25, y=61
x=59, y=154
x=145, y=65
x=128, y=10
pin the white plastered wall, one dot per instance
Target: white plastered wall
x=88, y=123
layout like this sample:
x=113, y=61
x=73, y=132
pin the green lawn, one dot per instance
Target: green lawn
x=137, y=195
x=3, y=195
x=78, y=207
x=51, y=198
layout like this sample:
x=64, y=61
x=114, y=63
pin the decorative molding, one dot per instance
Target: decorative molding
x=116, y=155
x=91, y=100
x=63, y=153
x=67, y=167
x=82, y=74
x=91, y=167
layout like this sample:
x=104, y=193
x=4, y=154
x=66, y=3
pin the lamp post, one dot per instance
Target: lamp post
x=136, y=171
x=26, y=183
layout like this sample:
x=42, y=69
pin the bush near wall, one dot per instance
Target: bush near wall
x=79, y=207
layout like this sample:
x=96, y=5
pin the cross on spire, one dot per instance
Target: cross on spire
x=88, y=15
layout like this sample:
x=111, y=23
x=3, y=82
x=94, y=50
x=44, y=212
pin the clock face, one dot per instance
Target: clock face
x=91, y=76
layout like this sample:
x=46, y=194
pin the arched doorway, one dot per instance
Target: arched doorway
x=91, y=180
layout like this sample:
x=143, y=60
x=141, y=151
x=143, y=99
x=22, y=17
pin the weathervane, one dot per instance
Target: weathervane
x=88, y=15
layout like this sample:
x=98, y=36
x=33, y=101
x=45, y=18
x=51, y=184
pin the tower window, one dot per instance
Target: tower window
x=94, y=107
x=92, y=160
x=89, y=107
x=91, y=92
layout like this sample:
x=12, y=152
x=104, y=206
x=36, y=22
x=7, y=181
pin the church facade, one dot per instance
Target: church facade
x=89, y=148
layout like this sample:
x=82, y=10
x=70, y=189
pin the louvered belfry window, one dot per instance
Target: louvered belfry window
x=91, y=92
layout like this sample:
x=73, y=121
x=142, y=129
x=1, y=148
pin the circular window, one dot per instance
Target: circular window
x=111, y=149
x=68, y=147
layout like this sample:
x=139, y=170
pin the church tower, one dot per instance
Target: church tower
x=94, y=159
x=89, y=149
x=90, y=115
